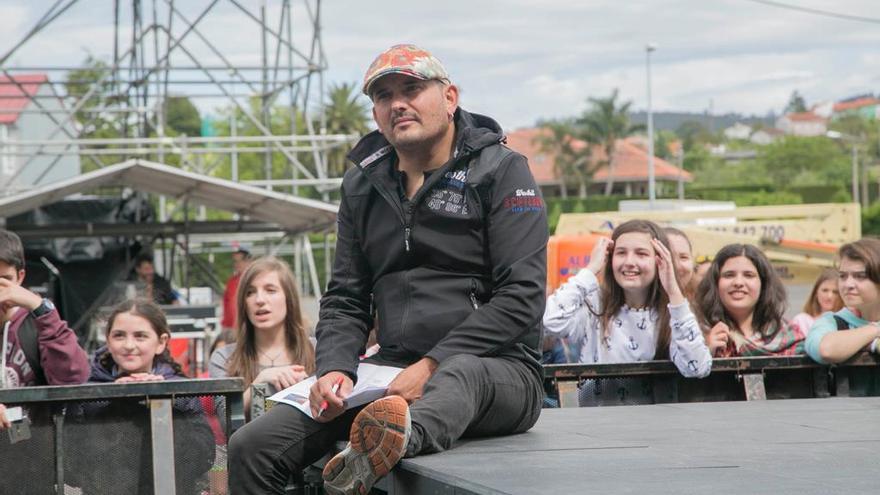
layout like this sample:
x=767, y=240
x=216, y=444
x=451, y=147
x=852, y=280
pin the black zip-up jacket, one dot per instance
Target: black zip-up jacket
x=459, y=269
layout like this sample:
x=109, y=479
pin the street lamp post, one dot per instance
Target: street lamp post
x=855, y=161
x=652, y=192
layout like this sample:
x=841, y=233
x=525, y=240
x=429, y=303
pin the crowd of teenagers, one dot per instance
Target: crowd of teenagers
x=641, y=298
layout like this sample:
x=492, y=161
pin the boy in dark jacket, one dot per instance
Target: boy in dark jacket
x=443, y=231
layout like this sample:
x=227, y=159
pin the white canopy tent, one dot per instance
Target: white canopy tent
x=289, y=213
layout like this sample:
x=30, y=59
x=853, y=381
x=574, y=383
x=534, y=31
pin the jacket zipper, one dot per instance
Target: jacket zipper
x=414, y=202
x=405, y=219
x=474, y=301
x=473, y=295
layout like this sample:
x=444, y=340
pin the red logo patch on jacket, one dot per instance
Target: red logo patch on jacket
x=523, y=200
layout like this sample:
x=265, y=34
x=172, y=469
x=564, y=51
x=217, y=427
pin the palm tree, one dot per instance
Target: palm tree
x=604, y=124
x=345, y=113
x=559, y=139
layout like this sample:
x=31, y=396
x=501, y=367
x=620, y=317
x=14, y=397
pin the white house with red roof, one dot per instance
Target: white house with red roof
x=630, y=167
x=802, y=124
x=28, y=105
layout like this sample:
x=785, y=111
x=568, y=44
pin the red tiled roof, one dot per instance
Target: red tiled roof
x=12, y=99
x=859, y=103
x=804, y=117
x=630, y=160
x=631, y=164
x=541, y=163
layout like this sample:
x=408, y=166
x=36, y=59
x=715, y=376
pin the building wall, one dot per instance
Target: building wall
x=802, y=127
x=7, y=161
x=43, y=169
x=761, y=137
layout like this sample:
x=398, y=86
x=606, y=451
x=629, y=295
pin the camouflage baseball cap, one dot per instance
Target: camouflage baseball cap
x=404, y=59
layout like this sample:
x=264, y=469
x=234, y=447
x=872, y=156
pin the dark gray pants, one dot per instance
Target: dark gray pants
x=468, y=396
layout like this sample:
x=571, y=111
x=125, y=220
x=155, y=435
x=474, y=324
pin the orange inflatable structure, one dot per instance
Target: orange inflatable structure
x=566, y=255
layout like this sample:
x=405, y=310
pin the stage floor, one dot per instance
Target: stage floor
x=804, y=446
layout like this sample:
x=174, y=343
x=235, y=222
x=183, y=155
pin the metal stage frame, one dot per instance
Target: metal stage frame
x=163, y=49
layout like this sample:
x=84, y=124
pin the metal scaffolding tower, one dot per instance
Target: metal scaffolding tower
x=165, y=49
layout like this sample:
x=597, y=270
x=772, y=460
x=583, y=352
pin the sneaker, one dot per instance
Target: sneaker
x=378, y=440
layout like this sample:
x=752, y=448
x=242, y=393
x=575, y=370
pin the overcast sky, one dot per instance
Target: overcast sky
x=522, y=60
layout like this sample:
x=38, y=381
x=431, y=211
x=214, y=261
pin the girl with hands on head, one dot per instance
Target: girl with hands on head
x=637, y=312
x=741, y=304
x=271, y=345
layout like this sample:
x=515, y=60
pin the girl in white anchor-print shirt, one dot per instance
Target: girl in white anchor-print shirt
x=638, y=314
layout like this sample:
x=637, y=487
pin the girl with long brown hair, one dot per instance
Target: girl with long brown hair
x=741, y=304
x=637, y=312
x=271, y=344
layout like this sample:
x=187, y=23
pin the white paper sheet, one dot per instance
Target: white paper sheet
x=373, y=381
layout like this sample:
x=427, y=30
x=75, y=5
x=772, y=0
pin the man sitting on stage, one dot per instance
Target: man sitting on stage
x=443, y=231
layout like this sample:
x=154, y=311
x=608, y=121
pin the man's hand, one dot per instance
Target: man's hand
x=282, y=377
x=12, y=294
x=323, y=391
x=410, y=382
x=718, y=337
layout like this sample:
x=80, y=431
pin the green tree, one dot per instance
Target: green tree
x=662, y=141
x=92, y=83
x=693, y=133
x=251, y=164
x=182, y=116
x=345, y=113
x=865, y=132
x=698, y=158
x=91, y=88
x=804, y=160
x=796, y=103
x=571, y=157
x=604, y=123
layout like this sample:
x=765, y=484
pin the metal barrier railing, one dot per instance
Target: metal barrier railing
x=750, y=378
x=105, y=427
